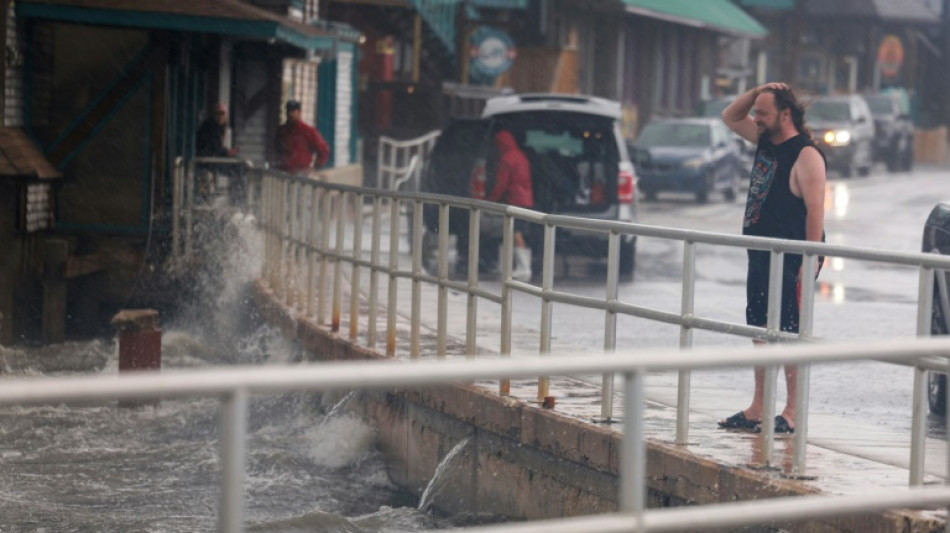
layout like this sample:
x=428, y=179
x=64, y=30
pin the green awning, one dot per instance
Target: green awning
x=771, y=4
x=716, y=15
x=223, y=17
x=499, y=4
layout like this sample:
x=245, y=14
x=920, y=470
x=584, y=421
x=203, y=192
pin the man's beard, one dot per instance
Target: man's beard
x=769, y=130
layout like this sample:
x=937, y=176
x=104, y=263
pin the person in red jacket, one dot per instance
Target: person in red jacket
x=513, y=187
x=298, y=143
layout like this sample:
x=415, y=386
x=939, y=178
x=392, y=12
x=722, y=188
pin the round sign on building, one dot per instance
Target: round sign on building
x=491, y=52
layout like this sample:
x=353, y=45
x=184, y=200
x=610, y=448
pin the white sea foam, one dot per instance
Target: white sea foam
x=341, y=441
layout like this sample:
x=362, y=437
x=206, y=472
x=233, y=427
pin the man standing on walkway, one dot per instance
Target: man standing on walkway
x=786, y=200
x=298, y=143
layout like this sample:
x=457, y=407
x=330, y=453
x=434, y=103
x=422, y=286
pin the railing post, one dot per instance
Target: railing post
x=176, y=206
x=918, y=432
x=189, y=206
x=686, y=341
x=416, y=311
x=443, y=290
x=773, y=326
x=803, y=377
x=312, y=249
x=504, y=386
x=391, y=304
x=233, y=430
x=293, y=286
x=371, y=330
x=338, y=262
x=355, y=270
x=610, y=323
x=324, y=251
x=471, y=318
x=633, y=473
x=547, y=306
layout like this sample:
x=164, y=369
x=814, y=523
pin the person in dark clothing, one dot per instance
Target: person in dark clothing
x=300, y=147
x=209, y=142
x=210, y=137
x=786, y=200
x=513, y=187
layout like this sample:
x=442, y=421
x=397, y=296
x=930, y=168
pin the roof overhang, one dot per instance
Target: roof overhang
x=224, y=17
x=715, y=15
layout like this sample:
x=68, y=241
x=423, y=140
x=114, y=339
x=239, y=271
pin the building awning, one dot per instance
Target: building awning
x=900, y=11
x=770, y=4
x=20, y=157
x=224, y=17
x=716, y=15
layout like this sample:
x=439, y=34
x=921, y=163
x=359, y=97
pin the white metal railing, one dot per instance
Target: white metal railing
x=298, y=215
x=233, y=386
x=205, y=183
x=398, y=161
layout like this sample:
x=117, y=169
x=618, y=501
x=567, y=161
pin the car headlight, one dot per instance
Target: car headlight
x=837, y=137
x=694, y=162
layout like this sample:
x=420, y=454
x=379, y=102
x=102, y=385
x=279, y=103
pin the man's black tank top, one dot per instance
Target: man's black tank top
x=771, y=208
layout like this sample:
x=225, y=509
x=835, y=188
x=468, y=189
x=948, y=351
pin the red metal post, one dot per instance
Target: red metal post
x=140, y=343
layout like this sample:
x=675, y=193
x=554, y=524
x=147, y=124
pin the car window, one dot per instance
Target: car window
x=563, y=143
x=880, y=105
x=833, y=111
x=713, y=108
x=674, y=134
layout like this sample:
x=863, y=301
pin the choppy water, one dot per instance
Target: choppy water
x=101, y=468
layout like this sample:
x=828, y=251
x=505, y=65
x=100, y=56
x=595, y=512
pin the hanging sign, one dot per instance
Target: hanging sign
x=491, y=51
x=890, y=55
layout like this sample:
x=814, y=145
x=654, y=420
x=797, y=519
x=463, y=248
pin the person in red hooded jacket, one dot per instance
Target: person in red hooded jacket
x=513, y=187
x=298, y=143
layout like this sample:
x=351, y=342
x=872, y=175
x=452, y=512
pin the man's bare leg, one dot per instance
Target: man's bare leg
x=791, y=385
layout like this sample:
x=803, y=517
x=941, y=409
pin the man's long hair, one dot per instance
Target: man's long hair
x=787, y=99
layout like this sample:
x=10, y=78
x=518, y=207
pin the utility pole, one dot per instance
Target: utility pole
x=793, y=42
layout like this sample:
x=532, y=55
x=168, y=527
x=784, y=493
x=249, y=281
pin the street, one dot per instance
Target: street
x=855, y=299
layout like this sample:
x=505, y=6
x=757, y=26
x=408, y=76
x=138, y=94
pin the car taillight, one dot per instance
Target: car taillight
x=626, y=186
x=478, y=181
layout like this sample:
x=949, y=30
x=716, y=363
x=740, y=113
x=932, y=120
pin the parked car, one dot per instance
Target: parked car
x=844, y=130
x=713, y=109
x=579, y=166
x=893, y=130
x=937, y=239
x=698, y=155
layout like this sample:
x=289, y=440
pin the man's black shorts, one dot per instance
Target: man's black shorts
x=757, y=290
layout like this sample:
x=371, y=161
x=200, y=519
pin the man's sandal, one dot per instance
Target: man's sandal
x=739, y=421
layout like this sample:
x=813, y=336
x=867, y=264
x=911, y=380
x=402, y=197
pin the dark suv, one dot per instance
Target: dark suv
x=579, y=166
x=893, y=131
x=937, y=239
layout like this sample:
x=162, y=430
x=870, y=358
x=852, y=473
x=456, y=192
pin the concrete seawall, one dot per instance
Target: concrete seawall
x=526, y=463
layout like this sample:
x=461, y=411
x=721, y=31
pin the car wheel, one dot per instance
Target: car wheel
x=937, y=393
x=730, y=192
x=937, y=382
x=430, y=252
x=847, y=171
x=702, y=195
x=628, y=259
x=908, y=157
x=895, y=158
